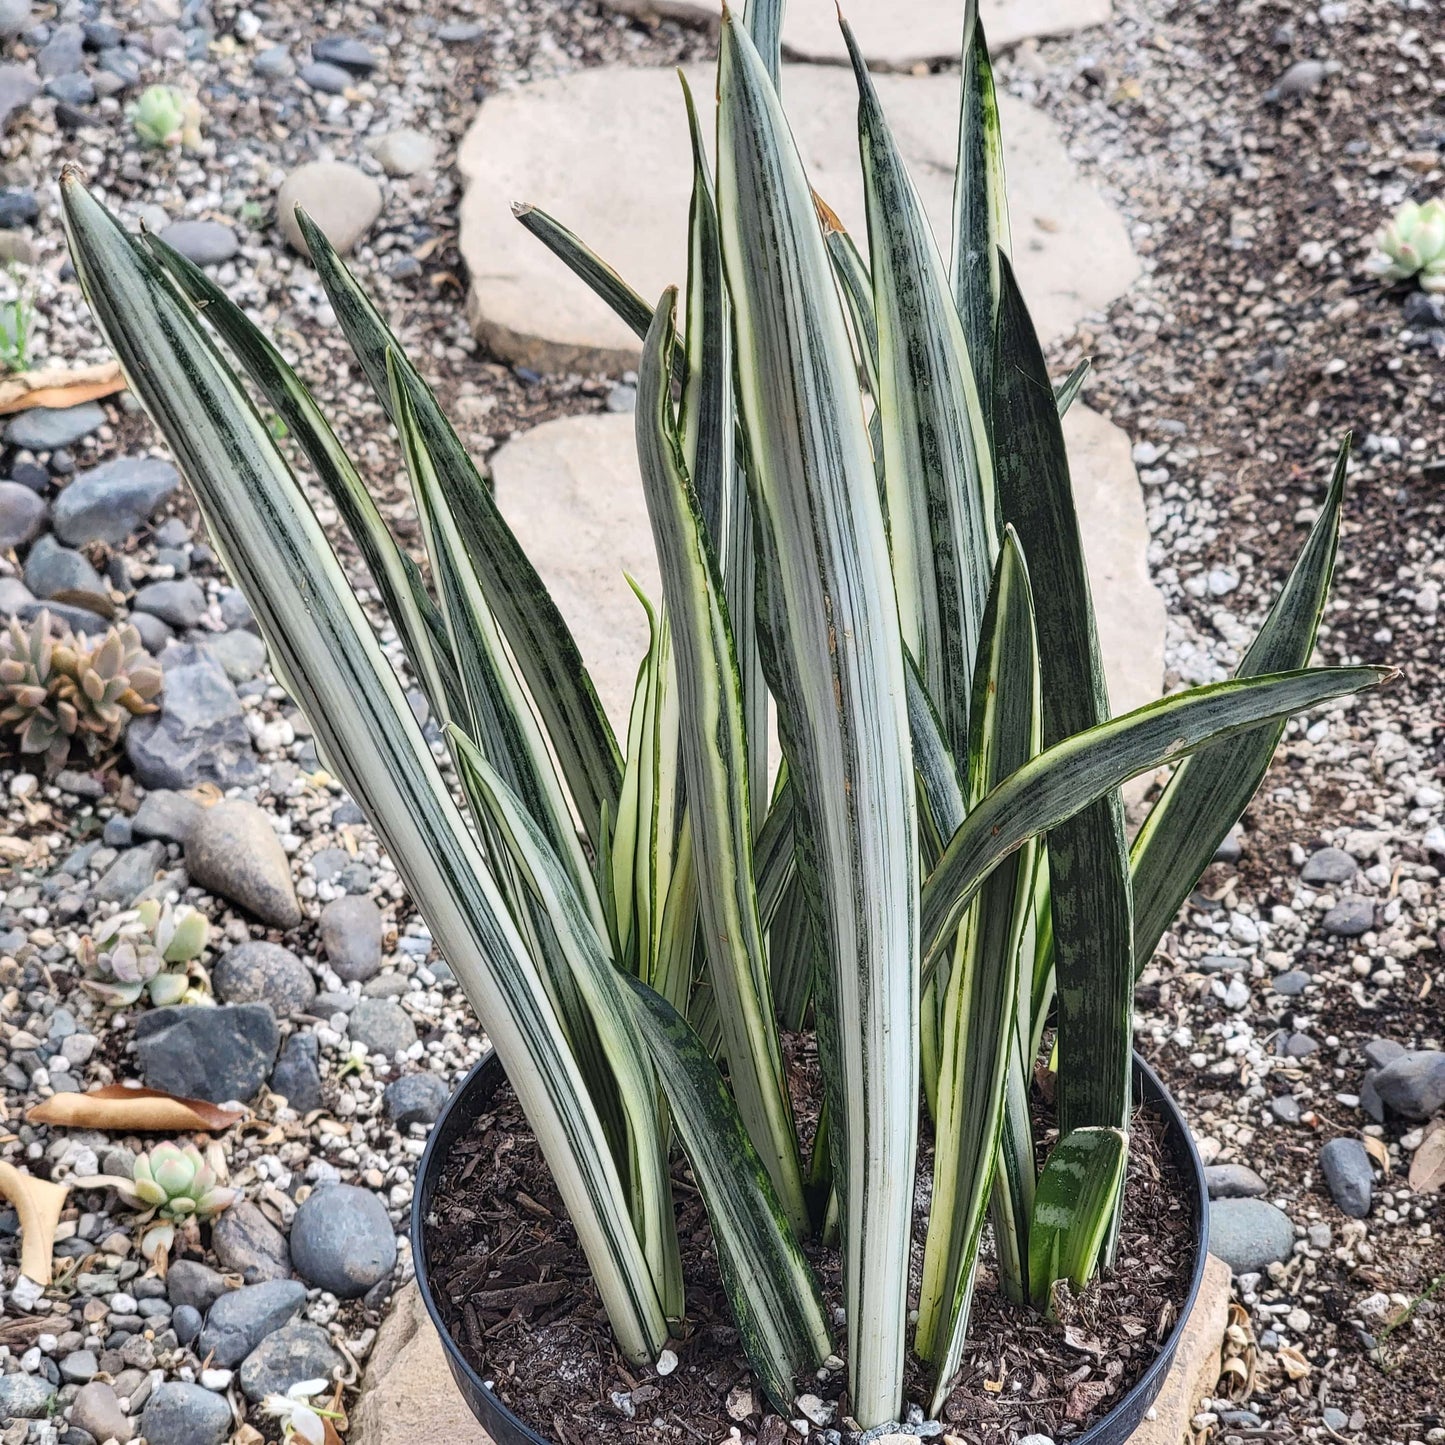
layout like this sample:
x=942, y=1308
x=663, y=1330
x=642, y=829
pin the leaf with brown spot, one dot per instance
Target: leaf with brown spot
x=120, y=1108
x=38, y=1203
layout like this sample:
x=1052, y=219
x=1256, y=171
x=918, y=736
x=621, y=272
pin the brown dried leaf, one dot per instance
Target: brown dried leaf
x=120, y=1108
x=1377, y=1151
x=1427, y=1168
x=38, y=1202
x=60, y=386
x=1294, y=1363
x=337, y=1421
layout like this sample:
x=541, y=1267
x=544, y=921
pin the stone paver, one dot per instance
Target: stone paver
x=1196, y=1364
x=606, y=152
x=1130, y=612
x=895, y=34
x=408, y=1393
x=571, y=491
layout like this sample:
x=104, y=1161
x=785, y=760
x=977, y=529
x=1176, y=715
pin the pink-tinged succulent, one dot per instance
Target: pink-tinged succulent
x=151, y=949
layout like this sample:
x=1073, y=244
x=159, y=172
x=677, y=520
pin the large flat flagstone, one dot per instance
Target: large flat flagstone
x=606, y=152
x=408, y=1394
x=895, y=34
x=571, y=491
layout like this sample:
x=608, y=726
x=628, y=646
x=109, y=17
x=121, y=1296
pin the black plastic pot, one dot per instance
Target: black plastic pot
x=472, y=1099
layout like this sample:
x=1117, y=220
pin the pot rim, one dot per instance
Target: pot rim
x=508, y=1428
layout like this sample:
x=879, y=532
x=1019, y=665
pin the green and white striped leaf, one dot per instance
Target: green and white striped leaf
x=792, y=948
x=707, y=417
x=679, y=948
x=1067, y=391
x=938, y=474
x=941, y=805
x=1208, y=793
x=793, y=955
x=322, y=643
x=498, y=717
x=857, y=285
x=644, y=832
x=764, y=20
x=708, y=425
x=588, y=266
x=1011, y=1206
x=979, y=1005
x=980, y=208
x=418, y=622
x=714, y=749
x=941, y=808
x=596, y=978
x=824, y=577
x=770, y=1285
x=539, y=638
x=1088, y=855
x=1074, y=773
x=774, y=865
x=499, y=722
x=1073, y=1210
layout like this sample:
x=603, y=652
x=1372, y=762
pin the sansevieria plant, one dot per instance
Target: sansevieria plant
x=860, y=499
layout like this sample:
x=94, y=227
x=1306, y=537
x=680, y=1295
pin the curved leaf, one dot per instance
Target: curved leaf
x=1070, y=775
x=1208, y=792
x=322, y=642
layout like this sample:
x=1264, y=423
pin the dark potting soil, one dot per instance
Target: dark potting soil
x=515, y=1291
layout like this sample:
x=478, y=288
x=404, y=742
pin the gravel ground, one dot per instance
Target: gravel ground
x=1253, y=177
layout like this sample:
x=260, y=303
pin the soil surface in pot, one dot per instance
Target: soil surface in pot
x=514, y=1289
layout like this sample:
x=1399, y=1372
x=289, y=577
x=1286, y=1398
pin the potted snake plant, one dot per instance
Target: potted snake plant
x=860, y=499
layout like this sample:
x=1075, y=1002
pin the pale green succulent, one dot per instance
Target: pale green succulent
x=167, y=118
x=1413, y=244
x=151, y=949
x=177, y=1185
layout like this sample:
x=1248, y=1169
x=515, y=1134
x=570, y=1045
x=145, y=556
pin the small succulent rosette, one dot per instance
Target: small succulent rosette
x=153, y=949
x=179, y=1188
x=167, y=118
x=61, y=696
x=1412, y=245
